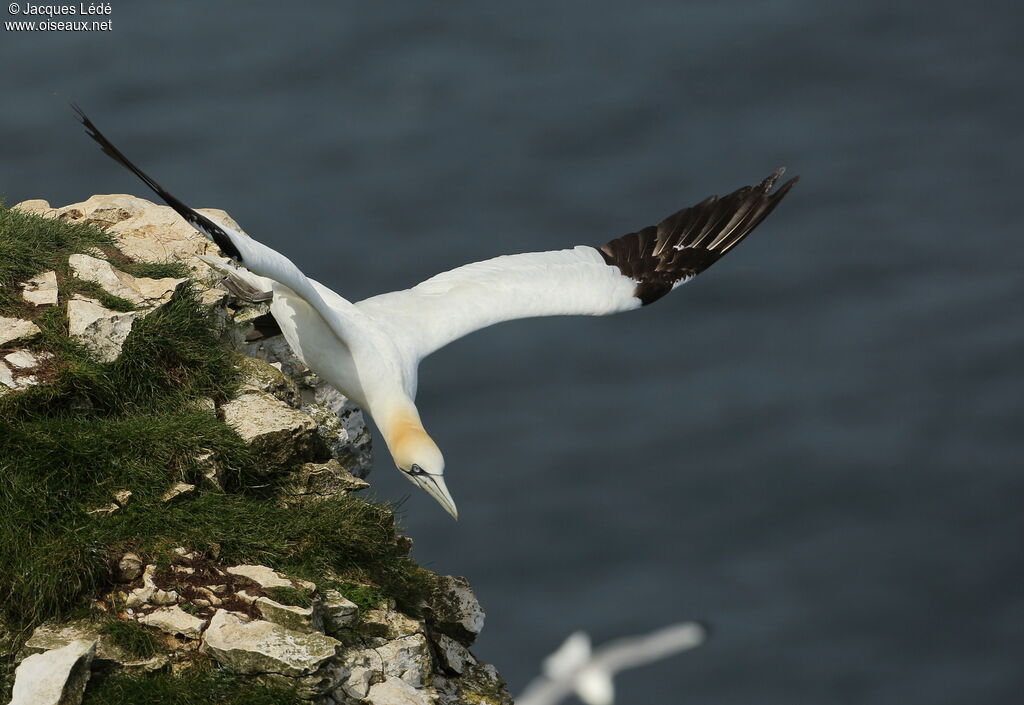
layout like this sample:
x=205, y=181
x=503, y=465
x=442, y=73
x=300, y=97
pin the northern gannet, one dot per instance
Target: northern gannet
x=575, y=666
x=370, y=350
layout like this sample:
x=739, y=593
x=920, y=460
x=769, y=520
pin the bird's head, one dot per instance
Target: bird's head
x=420, y=460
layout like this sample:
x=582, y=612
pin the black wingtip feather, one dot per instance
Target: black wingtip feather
x=195, y=219
x=691, y=240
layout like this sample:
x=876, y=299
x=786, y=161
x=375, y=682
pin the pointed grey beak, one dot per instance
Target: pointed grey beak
x=435, y=487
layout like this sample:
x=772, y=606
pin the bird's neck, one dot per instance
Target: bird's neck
x=402, y=429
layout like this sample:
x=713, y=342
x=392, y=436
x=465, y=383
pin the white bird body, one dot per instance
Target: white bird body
x=576, y=667
x=377, y=372
x=371, y=350
x=396, y=330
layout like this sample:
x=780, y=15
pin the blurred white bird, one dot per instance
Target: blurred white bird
x=370, y=351
x=575, y=668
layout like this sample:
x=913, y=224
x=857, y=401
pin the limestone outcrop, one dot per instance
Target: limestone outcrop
x=56, y=677
x=141, y=291
x=336, y=641
x=41, y=290
x=16, y=329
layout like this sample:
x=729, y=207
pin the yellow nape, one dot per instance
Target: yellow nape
x=410, y=444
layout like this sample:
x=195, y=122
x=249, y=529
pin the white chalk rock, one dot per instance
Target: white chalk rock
x=149, y=577
x=6, y=378
x=104, y=510
x=301, y=619
x=274, y=429
x=101, y=330
x=26, y=359
x=395, y=691
x=41, y=290
x=36, y=206
x=12, y=329
x=263, y=647
x=338, y=611
x=406, y=659
x=317, y=481
x=261, y=376
x=102, y=210
x=56, y=677
x=457, y=612
x=55, y=636
x=139, y=597
x=347, y=435
x=159, y=234
x=454, y=656
x=209, y=596
x=16, y=366
x=143, y=230
x=391, y=623
x=141, y=291
x=267, y=577
x=174, y=620
x=129, y=567
x=177, y=491
x=164, y=597
x=356, y=684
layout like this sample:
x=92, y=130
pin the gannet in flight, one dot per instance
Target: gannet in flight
x=575, y=666
x=370, y=350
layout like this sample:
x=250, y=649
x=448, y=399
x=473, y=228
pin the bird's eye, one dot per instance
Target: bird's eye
x=416, y=470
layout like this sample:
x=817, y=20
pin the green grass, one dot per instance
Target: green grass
x=30, y=245
x=95, y=291
x=200, y=684
x=100, y=427
x=290, y=596
x=171, y=355
x=156, y=270
x=69, y=445
x=132, y=638
x=94, y=428
x=365, y=597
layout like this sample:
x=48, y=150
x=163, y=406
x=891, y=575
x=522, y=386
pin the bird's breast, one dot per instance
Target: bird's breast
x=317, y=346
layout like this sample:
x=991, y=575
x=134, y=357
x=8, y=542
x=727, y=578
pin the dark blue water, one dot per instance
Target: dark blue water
x=816, y=447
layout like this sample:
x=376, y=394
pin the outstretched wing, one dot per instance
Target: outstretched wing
x=627, y=273
x=254, y=256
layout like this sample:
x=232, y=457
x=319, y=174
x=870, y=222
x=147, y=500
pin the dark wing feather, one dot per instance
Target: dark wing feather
x=686, y=243
x=195, y=219
x=257, y=257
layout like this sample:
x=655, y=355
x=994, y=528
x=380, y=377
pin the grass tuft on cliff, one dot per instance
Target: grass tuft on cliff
x=200, y=684
x=132, y=637
x=94, y=428
x=30, y=245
